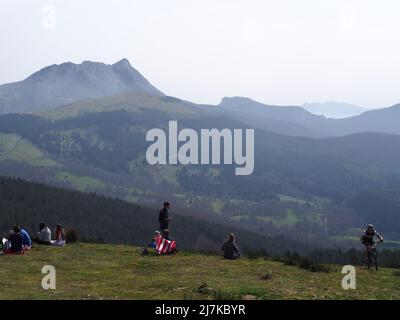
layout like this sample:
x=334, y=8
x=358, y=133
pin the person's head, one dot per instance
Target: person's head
x=167, y=205
x=370, y=228
x=58, y=227
x=17, y=229
x=156, y=234
x=42, y=225
x=231, y=237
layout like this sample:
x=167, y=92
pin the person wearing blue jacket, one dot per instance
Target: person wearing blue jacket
x=27, y=242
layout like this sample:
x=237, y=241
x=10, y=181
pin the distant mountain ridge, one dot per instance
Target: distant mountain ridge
x=69, y=89
x=62, y=84
x=289, y=120
x=296, y=121
x=336, y=110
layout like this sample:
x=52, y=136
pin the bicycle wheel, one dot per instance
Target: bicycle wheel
x=364, y=262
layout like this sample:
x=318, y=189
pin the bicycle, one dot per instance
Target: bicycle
x=372, y=257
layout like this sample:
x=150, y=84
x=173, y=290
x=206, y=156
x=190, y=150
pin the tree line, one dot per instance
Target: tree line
x=98, y=218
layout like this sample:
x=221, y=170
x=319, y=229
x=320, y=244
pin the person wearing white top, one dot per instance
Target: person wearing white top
x=44, y=235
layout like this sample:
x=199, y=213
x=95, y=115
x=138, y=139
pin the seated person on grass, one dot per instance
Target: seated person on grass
x=4, y=244
x=230, y=248
x=16, y=242
x=27, y=242
x=44, y=235
x=60, y=236
x=161, y=245
x=153, y=242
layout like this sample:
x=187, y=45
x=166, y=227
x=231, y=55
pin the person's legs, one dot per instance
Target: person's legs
x=10, y=251
x=152, y=245
x=60, y=243
x=40, y=242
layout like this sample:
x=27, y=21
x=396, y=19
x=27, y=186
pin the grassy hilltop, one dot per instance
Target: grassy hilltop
x=93, y=271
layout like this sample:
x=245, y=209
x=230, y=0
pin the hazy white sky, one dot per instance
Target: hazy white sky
x=278, y=52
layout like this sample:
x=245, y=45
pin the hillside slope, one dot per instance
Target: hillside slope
x=104, y=152
x=110, y=220
x=88, y=271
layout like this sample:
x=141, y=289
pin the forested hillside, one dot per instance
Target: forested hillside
x=313, y=186
x=102, y=219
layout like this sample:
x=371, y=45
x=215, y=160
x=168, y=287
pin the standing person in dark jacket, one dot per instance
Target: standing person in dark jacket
x=230, y=248
x=164, y=219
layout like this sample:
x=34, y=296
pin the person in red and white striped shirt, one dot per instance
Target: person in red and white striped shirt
x=165, y=246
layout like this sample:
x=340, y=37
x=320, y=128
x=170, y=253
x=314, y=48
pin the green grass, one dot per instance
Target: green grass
x=130, y=102
x=81, y=183
x=91, y=271
x=285, y=198
x=289, y=220
x=13, y=147
x=217, y=206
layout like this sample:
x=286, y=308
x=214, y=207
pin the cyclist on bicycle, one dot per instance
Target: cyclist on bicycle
x=367, y=238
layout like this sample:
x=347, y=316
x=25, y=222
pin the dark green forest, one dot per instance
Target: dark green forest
x=102, y=219
x=106, y=220
x=331, y=180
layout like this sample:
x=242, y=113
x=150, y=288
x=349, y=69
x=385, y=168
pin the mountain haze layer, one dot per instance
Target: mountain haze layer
x=296, y=121
x=290, y=120
x=336, y=110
